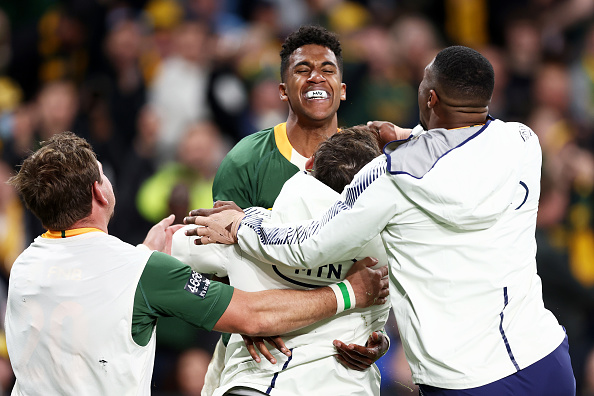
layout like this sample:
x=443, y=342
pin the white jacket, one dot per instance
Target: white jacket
x=456, y=210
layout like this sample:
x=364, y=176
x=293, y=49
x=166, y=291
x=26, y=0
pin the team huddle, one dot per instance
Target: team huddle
x=317, y=231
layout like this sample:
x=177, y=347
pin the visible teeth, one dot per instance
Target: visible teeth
x=316, y=94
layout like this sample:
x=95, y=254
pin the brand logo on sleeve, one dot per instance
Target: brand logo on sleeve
x=525, y=132
x=197, y=284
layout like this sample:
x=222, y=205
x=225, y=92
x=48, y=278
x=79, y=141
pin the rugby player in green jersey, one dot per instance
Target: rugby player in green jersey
x=254, y=171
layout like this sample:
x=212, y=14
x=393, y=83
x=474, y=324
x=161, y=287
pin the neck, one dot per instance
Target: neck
x=91, y=222
x=306, y=138
x=459, y=117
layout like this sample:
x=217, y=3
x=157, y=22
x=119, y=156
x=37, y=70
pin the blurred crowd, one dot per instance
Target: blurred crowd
x=162, y=89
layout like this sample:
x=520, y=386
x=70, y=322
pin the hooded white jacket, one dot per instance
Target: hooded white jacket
x=456, y=210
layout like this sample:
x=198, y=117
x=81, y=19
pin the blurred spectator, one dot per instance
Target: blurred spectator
x=383, y=91
x=265, y=107
x=565, y=236
x=138, y=165
x=179, y=90
x=582, y=89
x=123, y=84
x=12, y=225
x=417, y=41
x=498, y=105
x=12, y=243
x=58, y=106
x=18, y=138
x=522, y=57
x=571, y=301
x=466, y=22
x=200, y=152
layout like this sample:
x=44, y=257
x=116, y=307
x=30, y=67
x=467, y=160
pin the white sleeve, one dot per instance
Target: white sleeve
x=368, y=204
x=208, y=259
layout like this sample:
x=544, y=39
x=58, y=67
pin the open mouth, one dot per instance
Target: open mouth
x=317, y=94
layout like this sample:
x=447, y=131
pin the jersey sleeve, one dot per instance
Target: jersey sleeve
x=209, y=259
x=169, y=288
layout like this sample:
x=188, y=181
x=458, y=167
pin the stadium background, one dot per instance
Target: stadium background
x=163, y=89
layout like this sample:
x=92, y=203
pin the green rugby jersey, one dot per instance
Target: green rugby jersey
x=254, y=171
x=169, y=288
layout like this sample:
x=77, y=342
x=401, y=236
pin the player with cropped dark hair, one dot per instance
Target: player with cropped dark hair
x=255, y=170
x=461, y=71
x=309, y=35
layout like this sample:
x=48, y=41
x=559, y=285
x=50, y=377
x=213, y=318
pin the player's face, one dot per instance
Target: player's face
x=107, y=189
x=313, y=84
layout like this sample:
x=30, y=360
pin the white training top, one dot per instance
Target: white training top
x=456, y=210
x=63, y=296
x=312, y=368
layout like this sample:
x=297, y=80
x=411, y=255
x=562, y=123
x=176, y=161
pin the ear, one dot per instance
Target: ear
x=282, y=91
x=309, y=164
x=342, y=91
x=98, y=194
x=433, y=99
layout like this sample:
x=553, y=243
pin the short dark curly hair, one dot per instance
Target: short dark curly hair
x=464, y=72
x=310, y=34
x=338, y=159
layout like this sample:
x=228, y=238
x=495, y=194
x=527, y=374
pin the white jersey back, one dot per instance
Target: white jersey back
x=64, y=296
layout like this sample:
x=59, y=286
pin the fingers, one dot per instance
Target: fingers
x=199, y=218
x=251, y=349
x=174, y=228
x=201, y=213
x=167, y=221
x=279, y=344
x=378, y=124
x=350, y=356
x=370, y=261
x=379, y=343
x=227, y=205
x=218, y=206
x=348, y=363
x=206, y=235
x=192, y=231
x=259, y=342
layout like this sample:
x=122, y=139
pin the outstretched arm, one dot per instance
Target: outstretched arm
x=369, y=203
